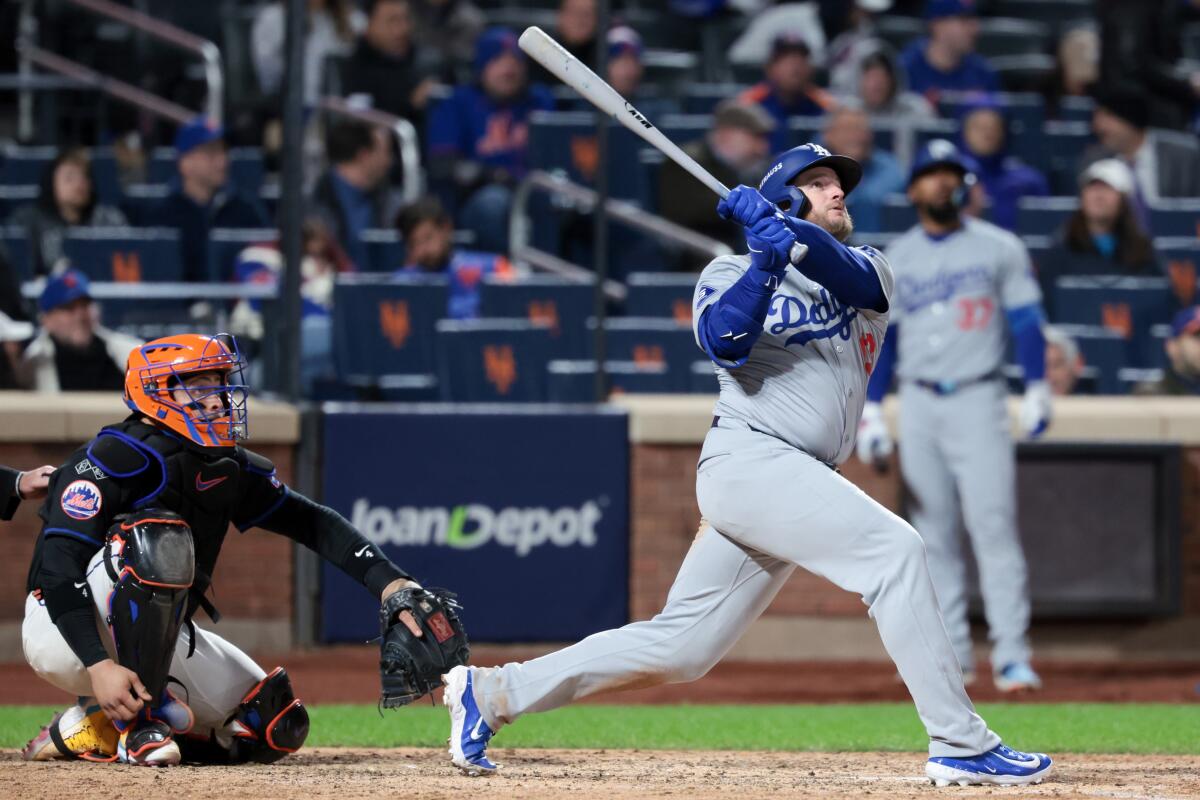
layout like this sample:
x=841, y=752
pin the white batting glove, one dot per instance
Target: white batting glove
x=1035, y=409
x=874, y=442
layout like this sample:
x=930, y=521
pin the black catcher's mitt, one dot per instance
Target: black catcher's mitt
x=411, y=667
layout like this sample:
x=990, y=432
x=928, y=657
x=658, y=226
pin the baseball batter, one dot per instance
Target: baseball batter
x=959, y=283
x=793, y=349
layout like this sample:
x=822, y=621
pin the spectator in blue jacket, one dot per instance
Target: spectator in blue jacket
x=201, y=198
x=848, y=133
x=946, y=60
x=479, y=136
x=1004, y=178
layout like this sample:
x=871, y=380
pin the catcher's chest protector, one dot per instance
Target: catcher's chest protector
x=202, y=489
x=155, y=565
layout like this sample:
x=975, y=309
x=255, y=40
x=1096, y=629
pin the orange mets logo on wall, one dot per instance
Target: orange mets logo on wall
x=500, y=366
x=126, y=267
x=544, y=312
x=394, y=321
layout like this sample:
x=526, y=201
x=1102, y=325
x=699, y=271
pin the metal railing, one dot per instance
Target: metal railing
x=584, y=200
x=208, y=52
x=406, y=140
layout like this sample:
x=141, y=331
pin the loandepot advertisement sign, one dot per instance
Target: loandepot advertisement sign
x=524, y=515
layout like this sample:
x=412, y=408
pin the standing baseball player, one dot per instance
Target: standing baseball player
x=133, y=525
x=793, y=349
x=959, y=283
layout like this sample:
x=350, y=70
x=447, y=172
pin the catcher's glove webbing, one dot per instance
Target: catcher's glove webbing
x=411, y=667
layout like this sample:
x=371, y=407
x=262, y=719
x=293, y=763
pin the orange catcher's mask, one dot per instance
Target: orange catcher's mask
x=156, y=385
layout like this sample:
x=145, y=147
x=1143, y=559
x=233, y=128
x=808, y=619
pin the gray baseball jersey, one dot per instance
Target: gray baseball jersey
x=771, y=505
x=805, y=380
x=950, y=295
x=955, y=451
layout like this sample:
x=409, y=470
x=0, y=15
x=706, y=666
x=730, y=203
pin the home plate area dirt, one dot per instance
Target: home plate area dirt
x=413, y=774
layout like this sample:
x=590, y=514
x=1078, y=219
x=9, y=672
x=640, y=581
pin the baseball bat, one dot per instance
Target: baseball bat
x=542, y=48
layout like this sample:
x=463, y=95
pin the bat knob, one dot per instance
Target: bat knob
x=797, y=253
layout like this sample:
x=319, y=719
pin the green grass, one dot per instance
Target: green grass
x=1055, y=728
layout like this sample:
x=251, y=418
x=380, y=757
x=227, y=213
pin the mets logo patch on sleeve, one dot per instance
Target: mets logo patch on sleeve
x=81, y=500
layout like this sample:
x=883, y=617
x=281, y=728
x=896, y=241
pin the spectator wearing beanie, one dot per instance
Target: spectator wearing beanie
x=946, y=60
x=789, y=88
x=479, y=136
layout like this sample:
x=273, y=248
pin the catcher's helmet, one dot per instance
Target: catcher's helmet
x=777, y=185
x=157, y=369
x=942, y=153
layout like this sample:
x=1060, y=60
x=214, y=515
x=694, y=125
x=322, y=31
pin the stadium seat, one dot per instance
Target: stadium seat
x=570, y=381
x=563, y=306
x=492, y=360
x=125, y=254
x=1025, y=111
x=1129, y=307
x=1180, y=257
x=897, y=214
x=224, y=245
x=384, y=325
x=1076, y=109
x=141, y=198
x=16, y=247
x=1056, y=152
x=567, y=141
x=1044, y=216
x=1025, y=72
x=13, y=197
x=1176, y=217
x=385, y=250
x=702, y=98
x=661, y=294
x=898, y=31
x=25, y=166
x=1009, y=36
x=1106, y=351
x=653, y=340
x=1053, y=12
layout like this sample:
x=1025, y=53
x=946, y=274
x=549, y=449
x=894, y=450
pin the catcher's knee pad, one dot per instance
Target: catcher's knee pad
x=151, y=558
x=270, y=722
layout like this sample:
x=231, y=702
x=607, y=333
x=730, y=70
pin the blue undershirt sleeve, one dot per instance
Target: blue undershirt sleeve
x=849, y=275
x=1025, y=324
x=885, y=367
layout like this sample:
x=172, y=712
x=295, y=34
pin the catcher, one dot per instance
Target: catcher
x=133, y=525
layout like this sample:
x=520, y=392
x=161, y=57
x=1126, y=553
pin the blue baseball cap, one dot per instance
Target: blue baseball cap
x=1186, y=322
x=197, y=133
x=624, y=40
x=493, y=43
x=940, y=9
x=65, y=288
x=941, y=153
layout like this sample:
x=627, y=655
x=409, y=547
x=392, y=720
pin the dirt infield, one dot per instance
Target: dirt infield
x=606, y=775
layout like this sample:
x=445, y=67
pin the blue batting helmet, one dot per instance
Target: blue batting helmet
x=777, y=184
x=941, y=153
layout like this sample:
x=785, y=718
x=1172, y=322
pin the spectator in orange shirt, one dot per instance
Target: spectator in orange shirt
x=789, y=89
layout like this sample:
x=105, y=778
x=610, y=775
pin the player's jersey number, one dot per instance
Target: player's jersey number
x=974, y=313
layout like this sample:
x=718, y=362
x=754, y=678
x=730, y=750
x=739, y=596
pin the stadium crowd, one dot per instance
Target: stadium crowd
x=1080, y=119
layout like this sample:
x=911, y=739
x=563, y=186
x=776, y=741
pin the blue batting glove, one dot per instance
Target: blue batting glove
x=770, y=242
x=745, y=206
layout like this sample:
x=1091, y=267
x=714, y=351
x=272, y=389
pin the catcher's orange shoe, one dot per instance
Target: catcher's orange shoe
x=82, y=732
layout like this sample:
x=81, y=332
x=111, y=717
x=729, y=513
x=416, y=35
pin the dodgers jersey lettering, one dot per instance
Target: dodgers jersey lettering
x=951, y=294
x=805, y=381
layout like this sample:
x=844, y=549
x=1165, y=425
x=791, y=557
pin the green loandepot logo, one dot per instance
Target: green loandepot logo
x=471, y=525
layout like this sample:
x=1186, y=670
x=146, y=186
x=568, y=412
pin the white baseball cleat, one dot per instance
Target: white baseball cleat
x=148, y=743
x=469, y=734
